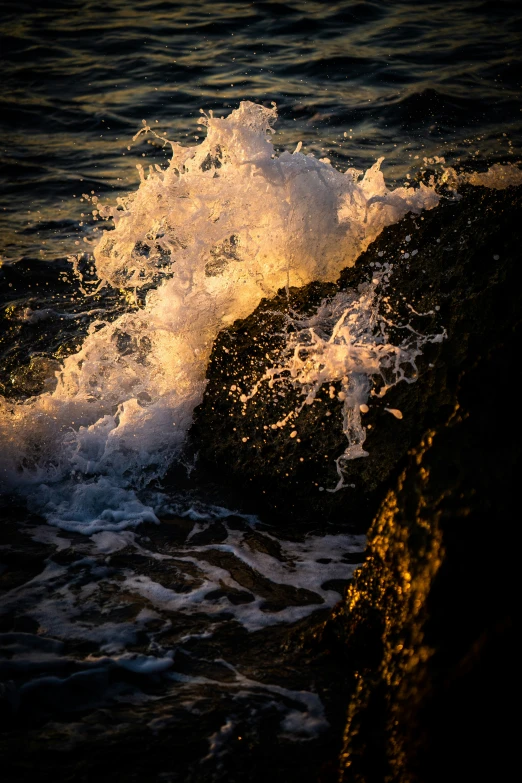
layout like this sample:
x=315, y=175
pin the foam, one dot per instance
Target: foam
x=225, y=224
x=300, y=566
x=498, y=177
x=304, y=723
x=95, y=618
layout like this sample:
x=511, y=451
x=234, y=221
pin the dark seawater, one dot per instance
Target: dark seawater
x=166, y=645
x=400, y=79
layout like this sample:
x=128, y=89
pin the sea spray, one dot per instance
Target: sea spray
x=498, y=177
x=226, y=223
x=346, y=344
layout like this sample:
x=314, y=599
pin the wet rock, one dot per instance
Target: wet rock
x=235, y=597
x=463, y=276
x=260, y=543
x=215, y=533
x=427, y=628
x=37, y=376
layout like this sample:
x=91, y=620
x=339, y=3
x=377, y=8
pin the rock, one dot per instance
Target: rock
x=465, y=266
x=427, y=627
x=36, y=377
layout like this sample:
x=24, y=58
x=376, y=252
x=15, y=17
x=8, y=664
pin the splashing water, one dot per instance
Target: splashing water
x=497, y=177
x=226, y=224
x=347, y=342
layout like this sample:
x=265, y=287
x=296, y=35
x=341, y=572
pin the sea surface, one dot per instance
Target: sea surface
x=127, y=607
x=351, y=80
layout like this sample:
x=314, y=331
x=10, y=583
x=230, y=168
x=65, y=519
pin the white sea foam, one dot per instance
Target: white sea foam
x=105, y=610
x=227, y=223
x=314, y=564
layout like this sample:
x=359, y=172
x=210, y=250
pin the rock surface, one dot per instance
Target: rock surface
x=463, y=275
x=427, y=627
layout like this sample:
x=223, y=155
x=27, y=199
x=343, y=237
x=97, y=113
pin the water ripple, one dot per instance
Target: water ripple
x=402, y=77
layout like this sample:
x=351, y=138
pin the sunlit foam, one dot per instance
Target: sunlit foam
x=498, y=177
x=227, y=223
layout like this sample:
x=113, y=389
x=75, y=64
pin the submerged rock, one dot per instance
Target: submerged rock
x=452, y=269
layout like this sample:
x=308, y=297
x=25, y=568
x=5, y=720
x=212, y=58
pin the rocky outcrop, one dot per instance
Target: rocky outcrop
x=423, y=644
x=463, y=275
x=427, y=627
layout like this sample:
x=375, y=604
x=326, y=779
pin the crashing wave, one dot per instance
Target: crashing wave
x=227, y=223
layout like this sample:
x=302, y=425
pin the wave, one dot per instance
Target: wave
x=198, y=245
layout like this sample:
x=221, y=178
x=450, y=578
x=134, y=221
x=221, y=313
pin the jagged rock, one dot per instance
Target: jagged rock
x=427, y=627
x=466, y=267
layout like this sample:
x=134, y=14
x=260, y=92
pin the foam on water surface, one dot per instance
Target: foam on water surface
x=227, y=223
x=140, y=603
x=250, y=575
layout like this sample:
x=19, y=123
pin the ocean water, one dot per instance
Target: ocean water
x=352, y=81
x=164, y=167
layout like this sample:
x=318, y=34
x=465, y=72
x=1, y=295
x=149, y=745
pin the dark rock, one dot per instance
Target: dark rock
x=427, y=628
x=466, y=265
